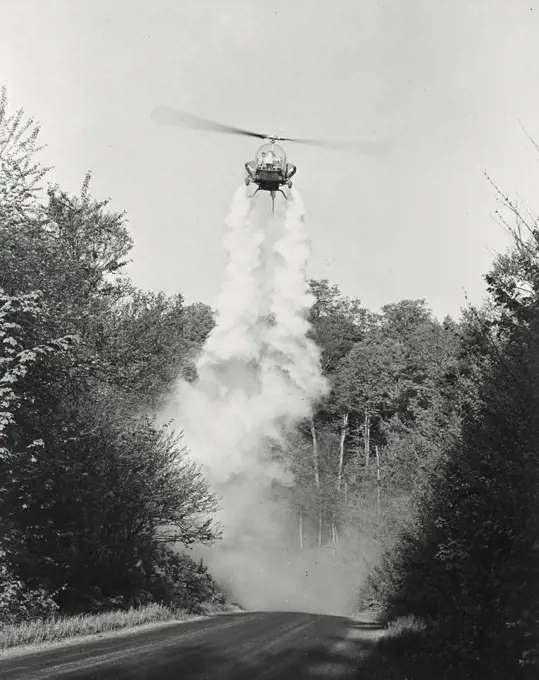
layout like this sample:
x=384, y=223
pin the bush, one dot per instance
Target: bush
x=180, y=582
x=19, y=603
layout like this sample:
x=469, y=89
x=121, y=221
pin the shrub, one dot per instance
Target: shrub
x=18, y=603
x=179, y=581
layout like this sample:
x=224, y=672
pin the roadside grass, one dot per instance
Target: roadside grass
x=216, y=608
x=62, y=628
x=401, y=653
x=415, y=649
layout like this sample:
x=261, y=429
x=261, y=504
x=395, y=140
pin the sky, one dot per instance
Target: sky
x=449, y=83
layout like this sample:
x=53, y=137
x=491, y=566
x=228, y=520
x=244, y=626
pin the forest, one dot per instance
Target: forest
x=425, y=445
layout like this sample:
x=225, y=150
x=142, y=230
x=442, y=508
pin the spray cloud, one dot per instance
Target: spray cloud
x=258, y=377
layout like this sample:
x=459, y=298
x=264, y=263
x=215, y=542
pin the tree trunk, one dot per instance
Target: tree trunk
x=301, y=529
x=377, y=484
x=320, y=528
x=359, y=447
x=315, y=455
x=367, y=430
x=344, y=430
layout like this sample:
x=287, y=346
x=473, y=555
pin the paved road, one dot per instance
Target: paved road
x=246, y=646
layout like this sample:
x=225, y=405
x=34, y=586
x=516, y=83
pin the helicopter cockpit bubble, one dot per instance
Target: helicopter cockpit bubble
x=271, y=157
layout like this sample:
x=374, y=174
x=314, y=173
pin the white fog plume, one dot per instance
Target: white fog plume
x=258, y=376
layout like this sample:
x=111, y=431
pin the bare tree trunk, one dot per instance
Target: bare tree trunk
x=315, y=454
x=377, y=484
x=344, y=430
x=317, y=480
x=301, y=529
x=367, y=429
x=360, y=429
x=345, y=492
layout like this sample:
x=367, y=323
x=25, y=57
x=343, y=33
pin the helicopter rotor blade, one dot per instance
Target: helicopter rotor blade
x=166, y=116
x=365, y=147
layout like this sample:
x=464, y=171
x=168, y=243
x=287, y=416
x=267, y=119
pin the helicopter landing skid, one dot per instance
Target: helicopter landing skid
x=273, y=194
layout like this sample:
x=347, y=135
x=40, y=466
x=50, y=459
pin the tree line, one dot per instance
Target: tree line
x=428, y=442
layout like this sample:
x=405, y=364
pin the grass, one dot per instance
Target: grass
x=210, y=608
x=398, y=654
x=62, y=628
x=403, y=627
x=414, y=649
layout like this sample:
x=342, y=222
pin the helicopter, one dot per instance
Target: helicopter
x=270, y=169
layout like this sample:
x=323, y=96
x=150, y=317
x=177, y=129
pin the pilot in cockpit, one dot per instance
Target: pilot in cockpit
x=268, y=161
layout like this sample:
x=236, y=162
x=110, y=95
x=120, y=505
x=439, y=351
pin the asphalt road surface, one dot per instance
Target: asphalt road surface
x=245, y=646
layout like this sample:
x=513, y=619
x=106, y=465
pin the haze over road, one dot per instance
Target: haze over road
x=284, y=645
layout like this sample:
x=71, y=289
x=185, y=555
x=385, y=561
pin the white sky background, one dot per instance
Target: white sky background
x=446, y=80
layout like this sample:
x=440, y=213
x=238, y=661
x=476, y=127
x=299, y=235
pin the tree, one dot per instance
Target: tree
x=113, y=489
x=365, y=381
x=88, y=487
x=338, y=322
x=20, y=175
x=149, y=340
x=470, y=560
